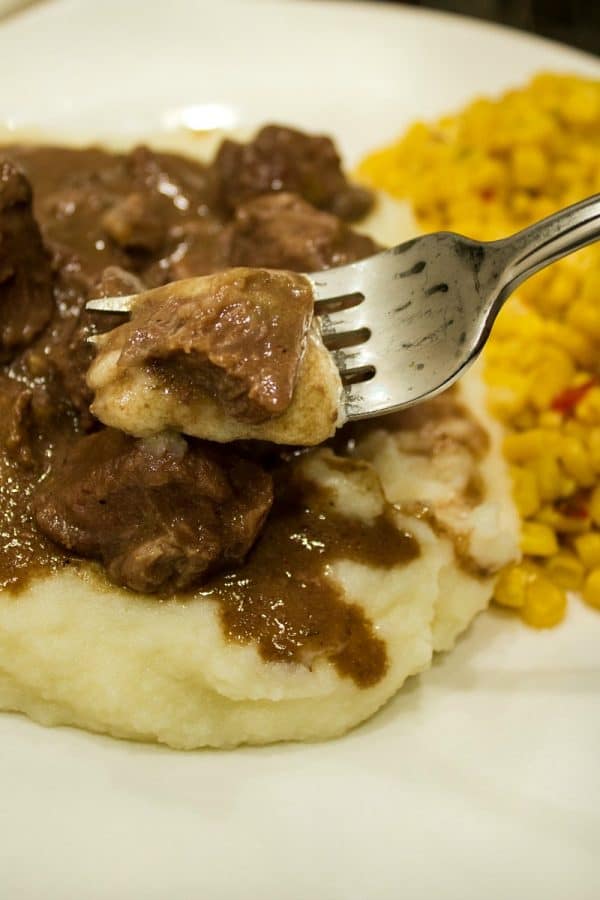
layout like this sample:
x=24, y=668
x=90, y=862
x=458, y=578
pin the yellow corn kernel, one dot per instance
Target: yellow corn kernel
x=565, y=570
x=575, y=430
x=594, y=448
x=506, y=402
x=577, y=461
x=595, y=505
x=538, y=539
x=585, y=316
x=582, y=377
x=543, y=206
x=562, y=523
x=529, y=167
x=591, y=589
x=511, y=585
x=590, y=289
x=521, y=204
x=528, y=445
x=549, y=478
x=550, y=380
x=568, y=487
x=576, y=343
x=525, y=491
x=545, y=603
x=588, y=549
x=524, y=421
x=583, y=107
x=517, y=319
x=561, y=289
x=527, y=354
x=488, y=173
x=550, y=419
x=588, y=408
x=565, y=172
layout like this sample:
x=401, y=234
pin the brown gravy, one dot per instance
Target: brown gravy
x=24, y=551
x=282, y=597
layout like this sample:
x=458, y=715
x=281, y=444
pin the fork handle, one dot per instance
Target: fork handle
x=530, y=250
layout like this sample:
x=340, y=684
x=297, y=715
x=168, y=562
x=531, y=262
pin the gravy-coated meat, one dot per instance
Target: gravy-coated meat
x=283, y=231
x=237, y=336
x=283, y=159
x=159, y=514
x=116, y=282
x=17, y=420
x=135, y=222
x=26, y=301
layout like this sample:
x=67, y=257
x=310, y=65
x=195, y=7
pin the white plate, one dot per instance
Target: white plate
x=480, y=781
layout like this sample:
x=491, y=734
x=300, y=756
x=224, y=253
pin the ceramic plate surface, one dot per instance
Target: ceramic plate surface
x=480, y=781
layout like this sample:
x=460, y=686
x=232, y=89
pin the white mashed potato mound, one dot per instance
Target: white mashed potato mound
x=77, y=651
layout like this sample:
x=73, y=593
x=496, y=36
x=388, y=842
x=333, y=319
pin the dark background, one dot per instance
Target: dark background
x=575, y=22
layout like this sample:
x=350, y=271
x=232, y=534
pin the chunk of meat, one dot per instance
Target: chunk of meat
x=161, y=514
x=282, y=231
x=136, y=222
x=16, y=420
x=26, y=299
x=238, y=336
x=61, y=362
x=114, y=281
x=32, y=424
x=283, y=159
x=61, y=357
x=196, y=248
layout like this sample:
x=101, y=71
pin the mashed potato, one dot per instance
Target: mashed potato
x=77, y=651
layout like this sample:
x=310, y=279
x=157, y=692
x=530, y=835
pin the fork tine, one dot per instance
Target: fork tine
x=112, y=304
x=344, y=320
x=353, y=358
x=337, y=282
x=365, y=399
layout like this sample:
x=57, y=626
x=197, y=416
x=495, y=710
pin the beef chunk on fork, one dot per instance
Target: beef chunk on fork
x=237, y=336
x=160, y=514
x=282, y=231
x=283, y=159
x=26, y=300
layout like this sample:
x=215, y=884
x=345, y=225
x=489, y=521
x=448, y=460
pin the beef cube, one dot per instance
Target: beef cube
x=282, y=231
x=136, y=222
x=160, y=514
x=26, y=299
x=283, y=159
x=237, y=335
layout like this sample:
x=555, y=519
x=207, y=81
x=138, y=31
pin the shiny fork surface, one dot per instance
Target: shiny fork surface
x=404, y=324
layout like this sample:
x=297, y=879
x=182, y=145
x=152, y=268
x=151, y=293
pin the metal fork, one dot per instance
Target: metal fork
x=404, y=324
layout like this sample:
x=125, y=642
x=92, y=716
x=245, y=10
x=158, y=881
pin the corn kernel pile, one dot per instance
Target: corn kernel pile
x=494, y=168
